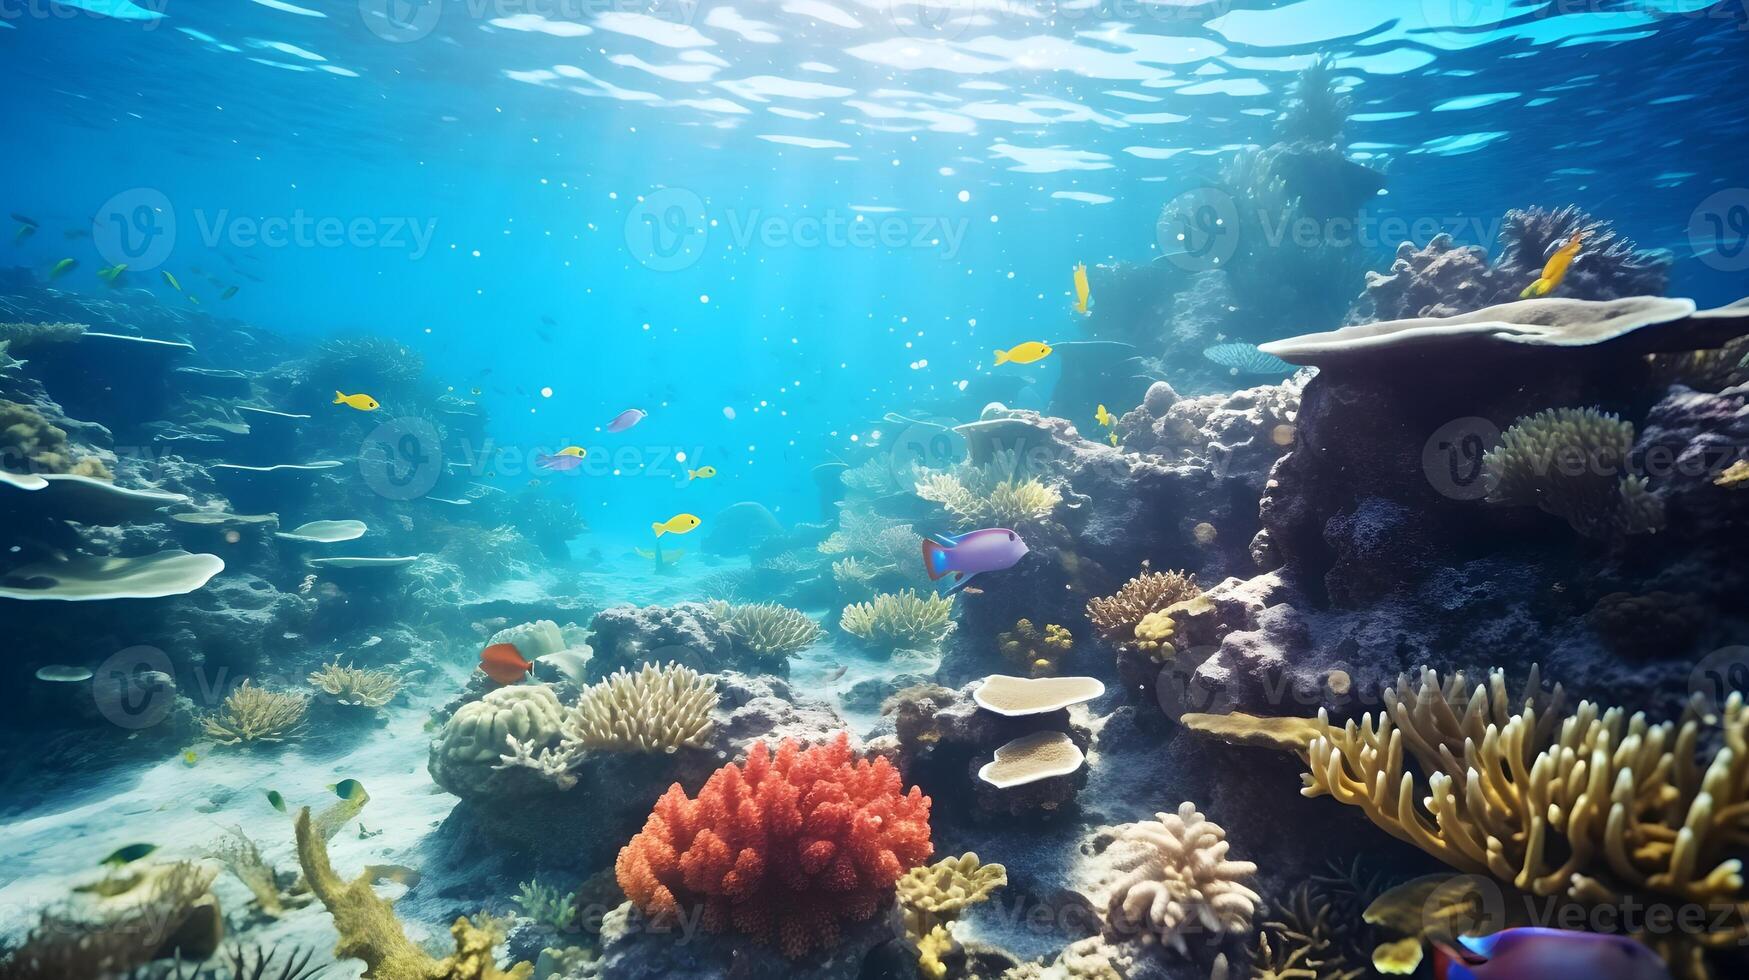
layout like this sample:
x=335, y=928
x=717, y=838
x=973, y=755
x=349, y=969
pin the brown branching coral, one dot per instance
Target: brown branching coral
x=370, y=932
x=368, y=688
x=1593, y=806
x=253, y=714
x=1115, y=617
x=1572, y=463
x=1040, y=654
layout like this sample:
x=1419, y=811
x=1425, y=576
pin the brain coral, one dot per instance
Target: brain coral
x=476, y=733
x=782, y=847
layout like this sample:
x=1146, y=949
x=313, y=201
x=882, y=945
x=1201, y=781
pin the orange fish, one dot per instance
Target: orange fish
x=503, y=663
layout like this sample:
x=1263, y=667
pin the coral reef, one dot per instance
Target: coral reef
x=1444, y=279
x=686, y=633
x=933, y=896
x=1039, y=654
x=1572, y=463
x=903, y=620
x=125, y=920
x=253, y=714
x=974, y=498
x=1115, y=617
x=355, y=686
x=785, y=848
x=479, y=731
x=370, y=932
x=24, y=336
x=1170, y=879
x=656, y=710
x=766, y=629
x=30, y=443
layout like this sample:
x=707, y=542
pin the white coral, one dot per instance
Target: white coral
x=1175, y=878
x=481, y=730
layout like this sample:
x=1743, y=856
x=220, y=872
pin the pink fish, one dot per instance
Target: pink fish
x=989, y=550
x=560, y=462
x=626, y=419
x=1534, y=953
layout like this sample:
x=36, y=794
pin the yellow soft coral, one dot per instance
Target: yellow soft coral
x=1039, y=654
x=935, y=895
x=370, y=932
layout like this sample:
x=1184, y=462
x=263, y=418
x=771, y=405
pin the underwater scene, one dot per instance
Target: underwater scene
x=874, y=489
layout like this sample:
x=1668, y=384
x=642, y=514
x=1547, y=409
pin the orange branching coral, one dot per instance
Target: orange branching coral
x=782, y=847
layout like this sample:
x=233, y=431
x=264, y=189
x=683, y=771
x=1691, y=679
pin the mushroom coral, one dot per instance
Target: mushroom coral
x=785, y=847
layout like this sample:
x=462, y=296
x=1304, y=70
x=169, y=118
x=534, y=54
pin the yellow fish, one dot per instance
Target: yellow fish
x=572, y=451
x=1555, y=270
x=61, y=268
x=1027, y=353
x=190, y=757
x=171, y=280
x=1113, y=438
x=702, y=473
x=678, y=524
x=112, y=273
x=362, y=402
x=1081, y=290
x=1103, y=417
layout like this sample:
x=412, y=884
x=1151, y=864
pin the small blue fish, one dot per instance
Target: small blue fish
x=1534, y=953
x=968, y=555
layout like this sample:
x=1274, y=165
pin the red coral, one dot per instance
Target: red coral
x=780, y=848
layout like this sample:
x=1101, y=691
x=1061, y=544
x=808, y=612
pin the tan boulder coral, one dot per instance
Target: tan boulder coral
x=1018, y=696
x=30, y=443
x=479, y=730
x=1168, y=878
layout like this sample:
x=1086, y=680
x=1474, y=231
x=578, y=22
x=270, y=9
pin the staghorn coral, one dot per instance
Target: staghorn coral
x=546, y=904
x=367, y=688
x=30, y=443
x=1115, y=617
x=897, y=620
x=1039, y=654
x=658, y=709
x=243, y=859
x=253, y=714
x=855, y=578
x=766, y=628
x=785, y=847
x=1592, y=806
x=1572, y=462
x=1173, y=878
x=978, y=497
x=370, y=932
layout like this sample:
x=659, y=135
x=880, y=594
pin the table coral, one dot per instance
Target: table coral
x=785, y=847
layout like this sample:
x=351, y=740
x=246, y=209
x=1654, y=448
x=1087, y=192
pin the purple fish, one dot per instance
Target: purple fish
x=561, y=462
x=990, y=550
x=626, y=419
x=1533, y=953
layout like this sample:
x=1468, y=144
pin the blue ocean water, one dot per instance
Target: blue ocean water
x=506, y=171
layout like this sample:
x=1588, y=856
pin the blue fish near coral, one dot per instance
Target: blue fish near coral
x=1534, y=953
x=968, y=555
